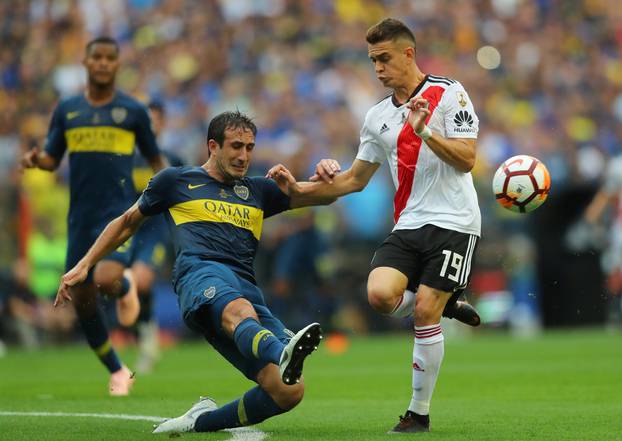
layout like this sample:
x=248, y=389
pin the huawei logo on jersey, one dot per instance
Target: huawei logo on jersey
x=463, y=117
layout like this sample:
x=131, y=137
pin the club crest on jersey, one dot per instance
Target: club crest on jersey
x=241, y=191
x=210, y=292
x=461, y=99
x=118, y=114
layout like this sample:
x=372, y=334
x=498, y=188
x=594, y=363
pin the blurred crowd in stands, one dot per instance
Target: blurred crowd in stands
x=300, y=69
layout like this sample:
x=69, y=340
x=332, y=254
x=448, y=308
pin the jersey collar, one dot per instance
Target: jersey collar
x=415, y=92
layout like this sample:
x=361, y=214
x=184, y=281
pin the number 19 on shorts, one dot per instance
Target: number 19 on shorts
x=452, y=265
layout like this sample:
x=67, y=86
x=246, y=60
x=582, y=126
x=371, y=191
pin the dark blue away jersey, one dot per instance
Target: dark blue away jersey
x=211, y=220
x=100, y=141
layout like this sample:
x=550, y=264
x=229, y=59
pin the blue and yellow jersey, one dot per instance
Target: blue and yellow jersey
x=211, y=220
x=100, y=142
x=142, y=171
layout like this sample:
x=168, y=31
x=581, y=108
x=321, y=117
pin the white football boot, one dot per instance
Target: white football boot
x=298, y=348
x=185, y=423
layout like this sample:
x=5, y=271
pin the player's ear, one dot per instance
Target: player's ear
x=212, y=146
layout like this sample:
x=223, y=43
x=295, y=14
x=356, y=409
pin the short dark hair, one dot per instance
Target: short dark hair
x=156, y=105
x=389, y=29
x=102, y=40
x=229, y=120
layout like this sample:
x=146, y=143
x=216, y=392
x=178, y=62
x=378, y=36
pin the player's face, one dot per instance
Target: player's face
x=392, y=61
x=234, y=157
x=102, y=63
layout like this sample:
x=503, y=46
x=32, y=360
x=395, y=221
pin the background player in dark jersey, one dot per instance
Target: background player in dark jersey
x=99, y=130
x=215, y=215
x=151, y=243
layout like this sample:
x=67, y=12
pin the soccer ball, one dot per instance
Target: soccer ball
x=521, y=184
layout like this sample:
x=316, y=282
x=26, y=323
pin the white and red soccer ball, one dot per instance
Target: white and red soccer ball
x=521, y=184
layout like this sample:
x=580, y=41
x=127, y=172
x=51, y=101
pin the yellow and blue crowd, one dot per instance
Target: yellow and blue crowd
x=545, y=77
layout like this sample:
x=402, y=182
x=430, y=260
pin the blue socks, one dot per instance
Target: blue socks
x=96, y=333
x=254, y=407
x=255, y=341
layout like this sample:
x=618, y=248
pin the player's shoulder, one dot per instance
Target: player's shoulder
x=126, y=100
x=379, y=108
x=70, y=101
x=170, y=175
x=444, y=82
x=441, y=80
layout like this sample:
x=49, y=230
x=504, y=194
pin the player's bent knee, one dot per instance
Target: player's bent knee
x=288, y=397
x=235, y=313
x=381, y=299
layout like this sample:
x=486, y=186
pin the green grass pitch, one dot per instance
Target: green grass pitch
x=564, y=385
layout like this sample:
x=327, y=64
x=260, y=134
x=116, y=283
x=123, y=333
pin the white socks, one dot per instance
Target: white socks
x=405, y=305
x=427, y=356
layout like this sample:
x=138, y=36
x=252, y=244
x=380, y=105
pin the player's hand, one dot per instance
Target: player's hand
x=30, y=158
x=326, y=170
x=419, y=112
x=284, y=179
x=76, y=275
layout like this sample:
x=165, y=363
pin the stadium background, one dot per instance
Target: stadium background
x=300, y=68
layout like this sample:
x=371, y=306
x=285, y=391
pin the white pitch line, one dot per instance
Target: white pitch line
x=239, y=434
x=117, y=416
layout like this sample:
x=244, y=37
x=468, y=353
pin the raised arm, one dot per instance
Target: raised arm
x=303, y=194
x=457, y=152
x=114, y=235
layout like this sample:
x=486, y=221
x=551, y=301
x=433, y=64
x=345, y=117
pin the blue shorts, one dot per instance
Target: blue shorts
x=150, y=242
x=203, y=294
x=81, y=238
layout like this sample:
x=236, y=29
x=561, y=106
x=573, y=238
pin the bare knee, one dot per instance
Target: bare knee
x=235, y=313
x=290, y=397
x=286, y=397
x=381, y=299
x=108, y=278
x=384, y=287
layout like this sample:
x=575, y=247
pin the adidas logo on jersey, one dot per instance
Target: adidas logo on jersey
x=384, y=128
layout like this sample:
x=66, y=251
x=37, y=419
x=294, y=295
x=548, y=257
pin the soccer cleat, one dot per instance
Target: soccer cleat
x=185, y=423
x=410, y=424
x=128, y=306
x=463, y=312
x=121, y=382
x=298, y=348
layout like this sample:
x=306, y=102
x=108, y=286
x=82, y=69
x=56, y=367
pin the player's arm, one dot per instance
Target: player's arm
x=158, y=162
x=303, y=194
x=597, y=206
x=114, y=235
x=35, y=158
x=457, y=152
x=146, y=140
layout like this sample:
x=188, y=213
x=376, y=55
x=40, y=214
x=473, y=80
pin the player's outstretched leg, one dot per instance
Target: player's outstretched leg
x=186, y=422
x=298, y=348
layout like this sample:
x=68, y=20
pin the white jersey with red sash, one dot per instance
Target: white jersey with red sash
x=429, y=191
